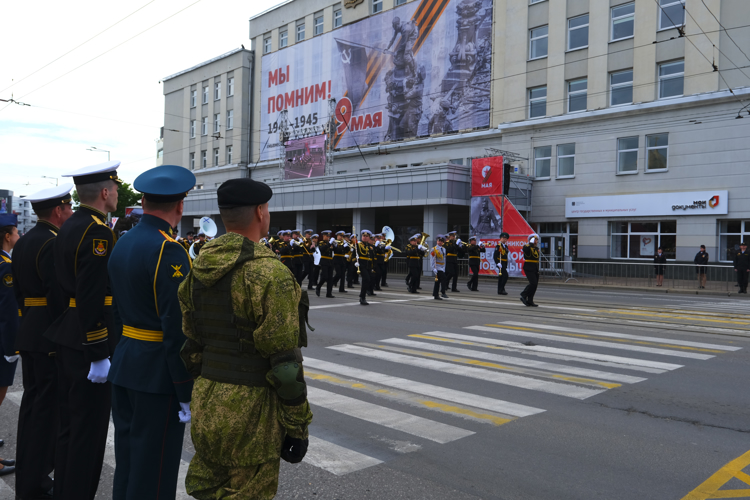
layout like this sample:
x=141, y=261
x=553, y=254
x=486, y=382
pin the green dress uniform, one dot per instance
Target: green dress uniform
x=239, y=421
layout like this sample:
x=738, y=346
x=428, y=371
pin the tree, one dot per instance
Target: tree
x=125, y=197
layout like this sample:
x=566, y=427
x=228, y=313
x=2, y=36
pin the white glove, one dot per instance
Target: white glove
x=292, y=242
x=184, y=413
x=434, y=271
x=12, y=359
x=422, y=247
x=388, y=247
x=99, y=371
x=377, y=243
x=335, y=243
x=356, y=264
x=346, y=245
x=458, y=241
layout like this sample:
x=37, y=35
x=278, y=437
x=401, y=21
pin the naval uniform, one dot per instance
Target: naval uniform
x=453, y=253
x=365, y=254
x=9, y=315
x=307, y=263
x=339, y=264
x=326, y=268
x=414, y=262
x=500, y=256
x=742, y=266
x=474, y=262
x=531, y=270
x=148, y=378
x=298, y=267
x=83, y=334
x=379, y=251
x=41, y=301
x=437, y=263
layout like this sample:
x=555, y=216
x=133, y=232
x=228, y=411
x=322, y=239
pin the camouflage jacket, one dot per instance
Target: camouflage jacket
x=235, y=425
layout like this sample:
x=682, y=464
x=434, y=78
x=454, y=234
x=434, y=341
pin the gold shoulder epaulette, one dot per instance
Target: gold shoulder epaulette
x=167, y=237
x=98, y=221
x=6, y=259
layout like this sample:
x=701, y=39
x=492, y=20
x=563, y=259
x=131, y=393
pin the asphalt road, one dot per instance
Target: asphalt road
x=596, y=394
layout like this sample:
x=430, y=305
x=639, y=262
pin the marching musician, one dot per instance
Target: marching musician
x=531, y=270
x=474, y=251
x=285, y=251
x=414, y=253
x=437, y=264
x=297, y=254
x=379, y=249
x=326, y=265
x=199, y=244
x=308, y=249
x=364, y=263
x=500, y=256
x=314, y=267
x=187, y=242
x=351, y=270
x=340, y=249
x=454, y=251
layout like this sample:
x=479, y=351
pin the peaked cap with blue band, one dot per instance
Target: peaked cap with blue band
x=165, y=183
x=8, y=220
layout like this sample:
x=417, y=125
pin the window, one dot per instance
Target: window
x=623, y=21
x=538, y=42
x=300, y=31
x=192, y=129
x=399, y=2
x=318, y=24
x=566, y=160
x=230, y=119
x=217, y=122
x=230, y=86
x=193, y=98
x=578, y=32
x=267, y=45
x=537, y=102
x=671, y=79
x=640, y=240
x=577, y=95
x=542, y=160
x=160, y=154
x=377, y=6
x=536, y=1
x=192, y=161
x=657, y=146
x=627, y=154
x=205, y=95
x=204, y=125
x=621, y=88
x=216, y=157
x=731, y=233
x=337, y=17
x=671, y=13
x=217, y=91
x=229, y=155
x=283, y=39
x=203, y=159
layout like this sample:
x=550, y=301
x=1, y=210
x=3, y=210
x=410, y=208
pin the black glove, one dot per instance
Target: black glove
x=294, y=450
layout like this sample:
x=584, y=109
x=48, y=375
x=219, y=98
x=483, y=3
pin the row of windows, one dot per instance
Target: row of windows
x=621, y=26
x=217, y=123
x=671, y=84
x=217, y=93
x=300, y=29
x=657, y=153
x=204, y=158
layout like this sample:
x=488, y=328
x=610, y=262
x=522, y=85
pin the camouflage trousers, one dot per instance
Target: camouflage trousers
x=206, y=481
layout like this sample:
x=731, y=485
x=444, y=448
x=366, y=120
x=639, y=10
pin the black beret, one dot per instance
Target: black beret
x=243, y=193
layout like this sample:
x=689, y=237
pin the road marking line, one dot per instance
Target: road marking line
x=665, y=324
x=710, y=488
x=672, y=316
x=336, y=459
x=600, y=333
x=6, y=491
x=597, y=343
x=429, y=390
x=410, y=399
x=347, y=304
x=568, y=308
x=15, y=397
x=529, y=363
x=548, y=355
x=567, y=352
x=393, y=419
x=570, y=391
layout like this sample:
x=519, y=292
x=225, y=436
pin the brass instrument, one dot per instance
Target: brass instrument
x=272, y=240
x=388, y=243
x=424, y=237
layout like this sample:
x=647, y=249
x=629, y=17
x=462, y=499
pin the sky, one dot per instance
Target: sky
x=106, y=93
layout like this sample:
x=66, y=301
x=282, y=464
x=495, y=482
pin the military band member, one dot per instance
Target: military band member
x=340, y=249
x=286, y=251
x=85, y=334
x=199, y=244
x=379, y=249
x=500, y=256
x=41, y=300
x=384, y=266
x=454, y=251
x=414, y=253
x=326, y=265
x=364, y=264
x=742, y=267
x=297, y=254
x=308, y=249
x=352, y=278
x=437, y=264
x=188, y=241
x=531, y=270
x=475, y=260
x=9, y=314
x=150, y=386
x=240, y=314
x=315, y=269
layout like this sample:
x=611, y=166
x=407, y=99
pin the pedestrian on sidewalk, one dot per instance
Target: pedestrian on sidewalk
x=659, y=259
x=700, y=260
x=742, y=267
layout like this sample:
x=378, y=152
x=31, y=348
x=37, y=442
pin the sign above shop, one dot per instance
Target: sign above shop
x=649, y=204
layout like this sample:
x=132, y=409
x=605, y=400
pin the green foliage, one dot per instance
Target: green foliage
x=126, y=197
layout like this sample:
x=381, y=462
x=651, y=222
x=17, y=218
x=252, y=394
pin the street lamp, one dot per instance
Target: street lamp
x=97, y=150
x=57, y=180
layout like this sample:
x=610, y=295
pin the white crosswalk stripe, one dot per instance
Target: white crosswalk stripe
x=336, y=459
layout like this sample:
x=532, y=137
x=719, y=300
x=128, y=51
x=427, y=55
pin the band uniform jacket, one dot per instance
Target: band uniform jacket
x=340, y=251
x=500, y=256
x=146, y=268
x=437, y=259
x=531, y=255
x=82, y=250
x=286, y=254
x=39, y=297
x=198, y=245
x=9, y=312
x=414, y=255
x=366, y=256
x=474, y=250
x=742, y=261
x=325, y=253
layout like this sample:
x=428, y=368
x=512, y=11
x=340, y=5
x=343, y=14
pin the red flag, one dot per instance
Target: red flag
x=487, y=176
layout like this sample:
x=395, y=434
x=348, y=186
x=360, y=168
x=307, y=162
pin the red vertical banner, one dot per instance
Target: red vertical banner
x=487, y=176
x=519, y=230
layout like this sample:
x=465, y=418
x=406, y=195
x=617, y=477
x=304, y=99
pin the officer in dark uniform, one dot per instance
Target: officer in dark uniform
x=454, y=251
x=150, y=386
x=187, y=242
x=379, y=249
x=352, y=278
x=326, y=265
x=307, y=260
x=364, y=263
x=42, y=302
x=531, y=270
x=340, y=249
x=474, y=251
x=297, y=254
x=742, y=267
x=500, y=256
x=286, y=251
x=199, y=244
x=315, y=268
x=84, y=335
x=414, y=254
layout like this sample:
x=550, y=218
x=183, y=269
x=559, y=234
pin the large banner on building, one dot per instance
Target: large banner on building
x=649, y=204
x=487, y=176
x=420, y=69
x=305, y=158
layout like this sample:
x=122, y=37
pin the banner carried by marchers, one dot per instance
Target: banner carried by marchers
x=514, y=224
x=416, y=70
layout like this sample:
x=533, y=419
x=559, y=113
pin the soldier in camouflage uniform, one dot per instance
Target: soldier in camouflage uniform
x=249, y=406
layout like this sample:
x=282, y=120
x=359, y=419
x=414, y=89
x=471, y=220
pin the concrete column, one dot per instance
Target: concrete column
x=363, y=218
x=435, y=222
x=307, y=219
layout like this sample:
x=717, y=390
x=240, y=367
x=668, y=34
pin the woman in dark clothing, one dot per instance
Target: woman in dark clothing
x=659, y=259
x=700, y=260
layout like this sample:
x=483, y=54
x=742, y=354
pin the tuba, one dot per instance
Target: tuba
x=424, y=237
x=207, y=227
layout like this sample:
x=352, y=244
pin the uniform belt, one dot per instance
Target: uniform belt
x=325, y=257
x=452, y=255
x=532, y=261
x=35, y=301
x=141, y=334
x=282, y=257
x=107, y=301
x=474, y=257
x=412, y=257
x=504, y=260
x=365, y=258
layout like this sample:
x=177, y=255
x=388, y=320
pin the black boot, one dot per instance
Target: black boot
x=437, y=297
x=363, y=302
x=330, y=296
x=317, y=291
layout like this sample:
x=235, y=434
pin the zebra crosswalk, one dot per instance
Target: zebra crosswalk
x=501, y=355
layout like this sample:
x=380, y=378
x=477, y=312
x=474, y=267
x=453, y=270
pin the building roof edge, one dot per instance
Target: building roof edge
x=217, y=58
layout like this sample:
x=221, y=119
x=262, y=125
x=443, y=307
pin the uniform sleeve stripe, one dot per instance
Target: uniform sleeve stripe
x=96, y=335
